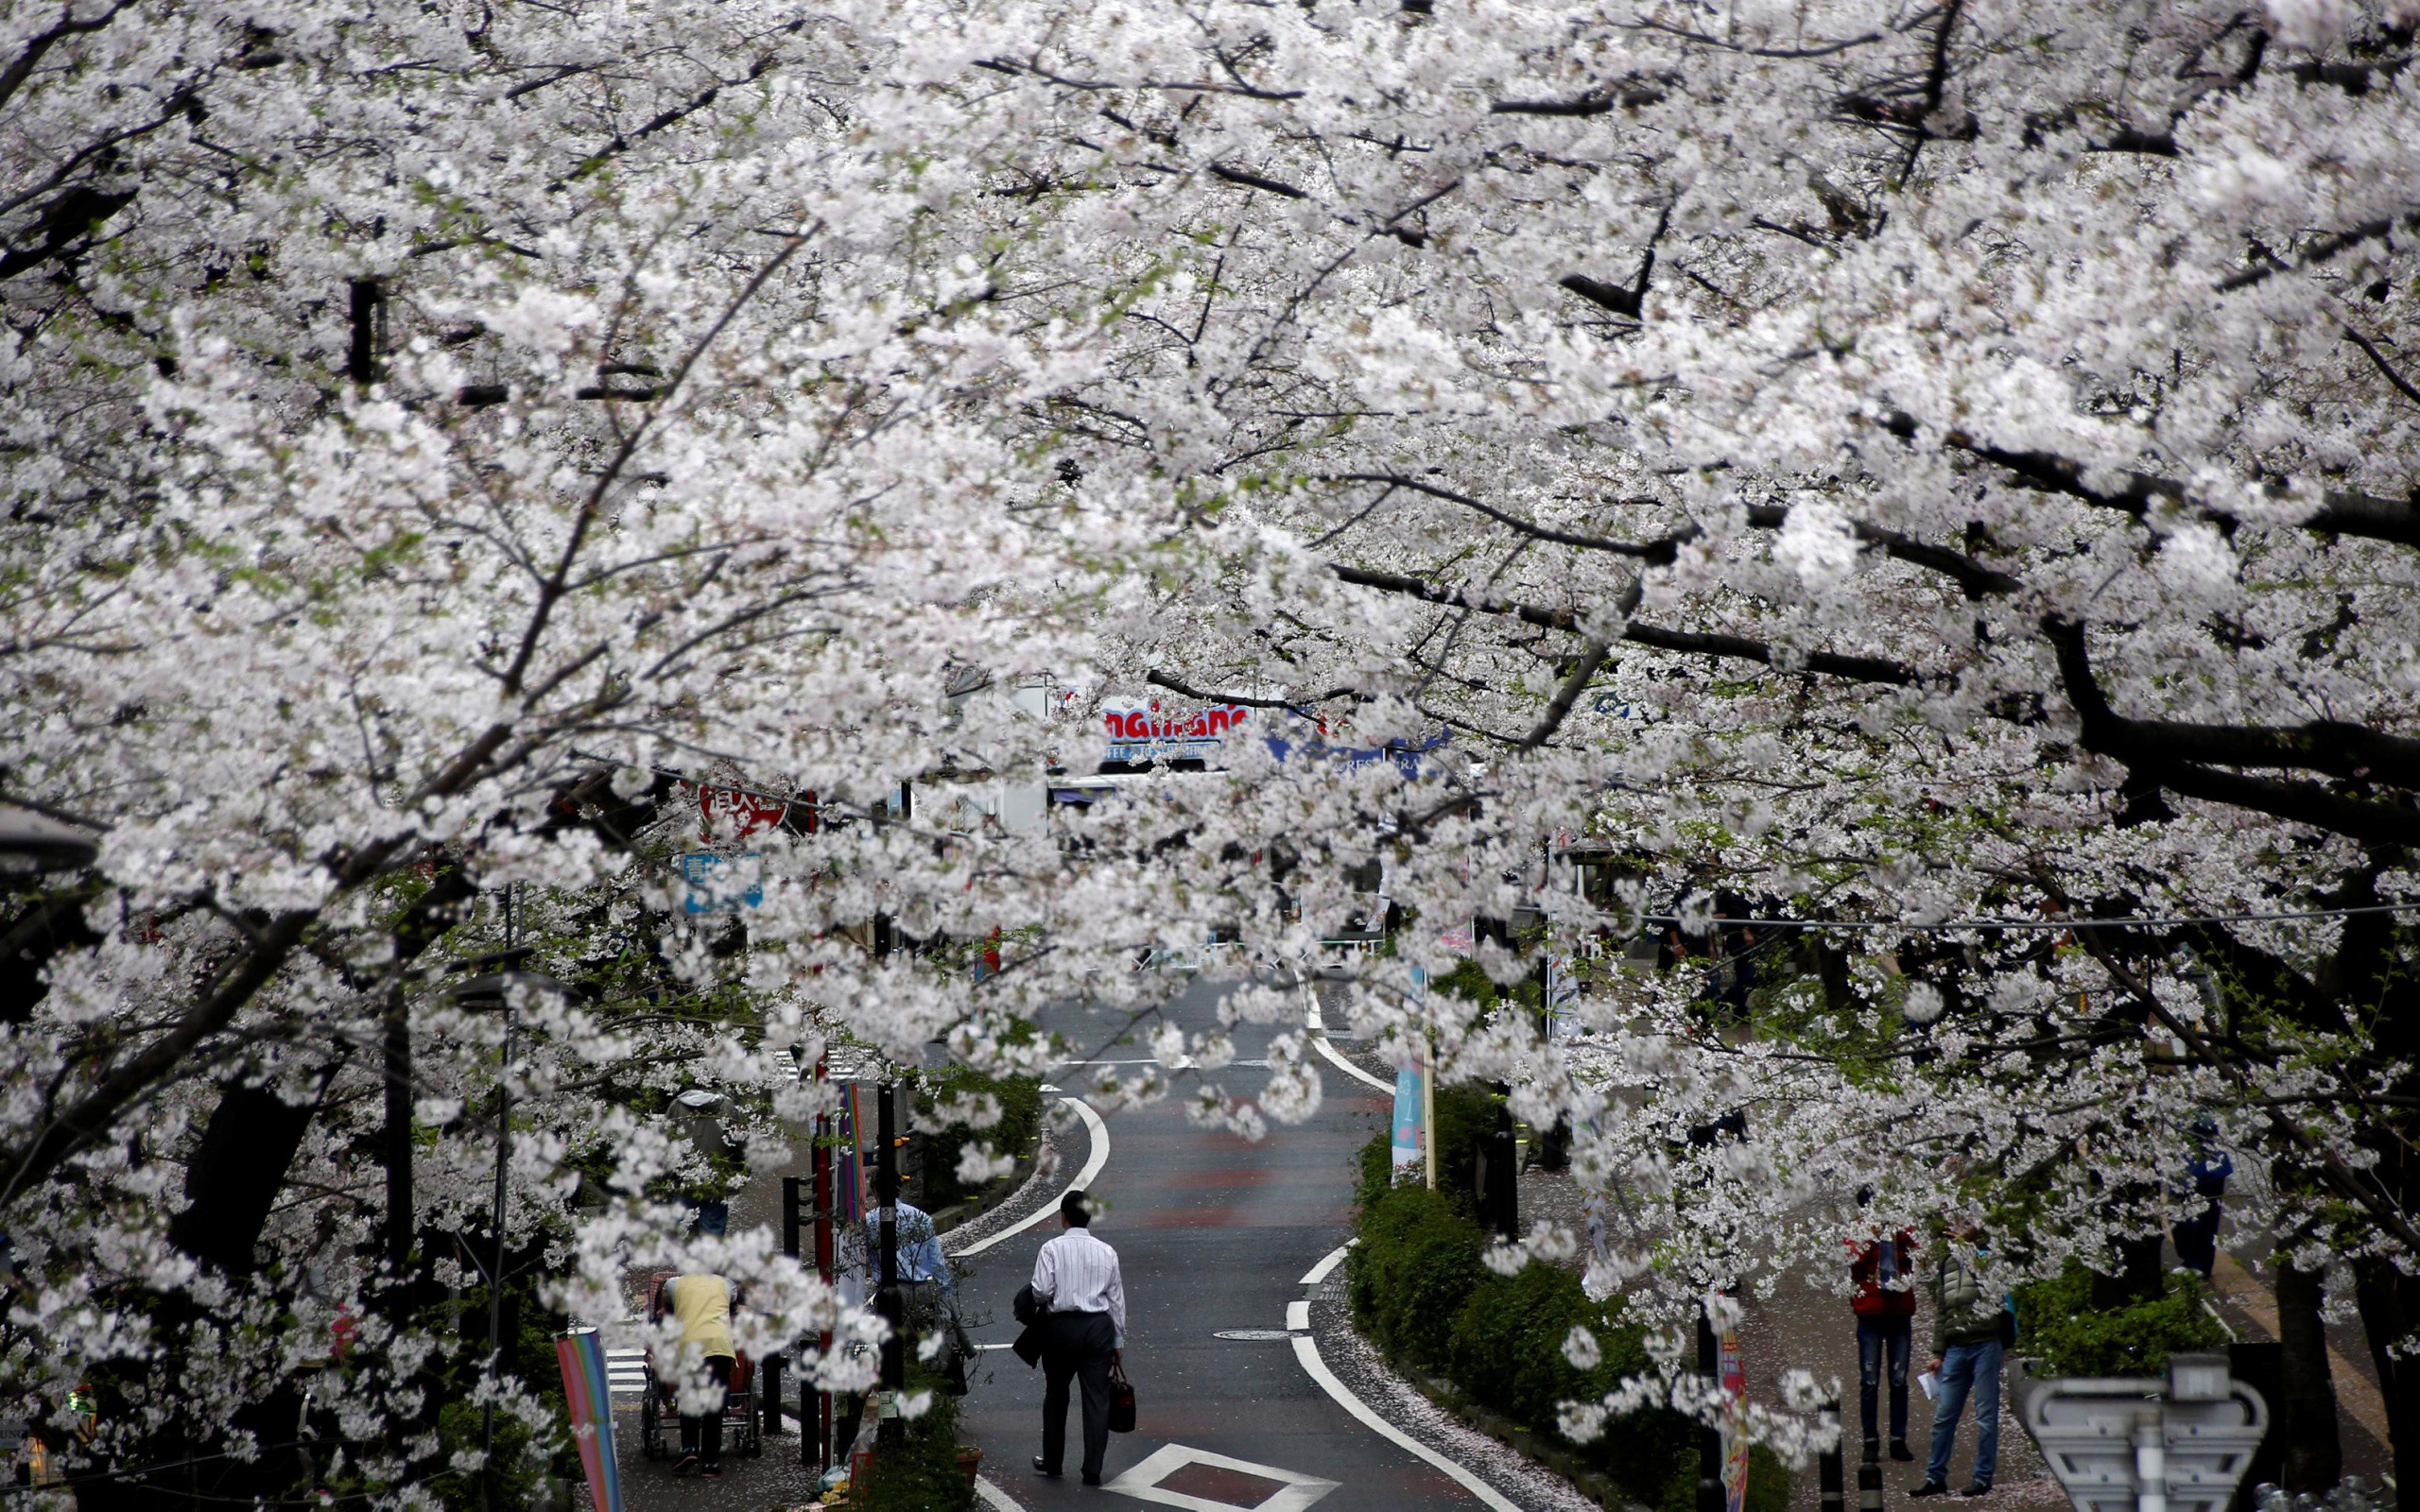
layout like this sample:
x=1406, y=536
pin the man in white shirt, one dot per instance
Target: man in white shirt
x=1076, y=1279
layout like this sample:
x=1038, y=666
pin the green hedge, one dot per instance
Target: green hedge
x=921, y=1473
x=1420, y=1291
x=1416, y=1265
x=1465, y=1115
x=2058, y=1325
x=1020, y=1121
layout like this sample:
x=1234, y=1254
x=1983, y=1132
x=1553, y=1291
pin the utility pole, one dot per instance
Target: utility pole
x=819, y=1413
x=396, y=1051
x=889, y=1303
x=503, y=1165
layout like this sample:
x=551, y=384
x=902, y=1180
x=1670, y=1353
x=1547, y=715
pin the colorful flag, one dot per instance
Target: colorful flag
x=1734, y=1433
x=591, y=1400
x=848, y=1189
x=1410, y=1137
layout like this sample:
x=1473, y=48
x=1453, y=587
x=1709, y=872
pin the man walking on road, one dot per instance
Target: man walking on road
x=1077, y=1281
x=1968, y=1333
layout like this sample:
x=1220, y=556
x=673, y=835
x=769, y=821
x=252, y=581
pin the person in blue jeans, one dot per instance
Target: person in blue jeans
x=1967, y=1324
x=1882, y=1295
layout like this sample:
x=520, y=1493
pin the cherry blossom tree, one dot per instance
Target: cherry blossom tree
x=1892, y=464
x=1903, y=463
x=437, y=442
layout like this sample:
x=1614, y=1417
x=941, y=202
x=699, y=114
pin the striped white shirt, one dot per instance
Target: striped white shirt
x=1076, y=1273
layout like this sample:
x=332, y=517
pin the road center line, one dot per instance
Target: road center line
x=1307, y=1351
x=1084, y=1181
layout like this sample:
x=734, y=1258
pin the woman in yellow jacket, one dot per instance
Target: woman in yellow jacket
x=703, y=1303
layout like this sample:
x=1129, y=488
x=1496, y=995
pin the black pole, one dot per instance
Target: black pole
x=1869, y=1479
x=793, y=1209
x=888, y=1301
x=1502, y=1207
x=1827, y=1469
x=503, y=1163
x=397, y=1050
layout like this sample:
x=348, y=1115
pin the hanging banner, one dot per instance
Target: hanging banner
x=1410, y=1137
x=591, y=1403
x=1563, y=999
x=1735, y=1436
x=848, y=1189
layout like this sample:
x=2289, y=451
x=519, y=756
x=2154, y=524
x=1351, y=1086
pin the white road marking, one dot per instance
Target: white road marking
x=1306, y=1351
x=1319, y=1037
x=626, y=1373
x=1181, y=1063
x=1298, y=1314
x=1142, y=1482
x=1084, y=1181
x=994, y=1497
x=1327, y=1263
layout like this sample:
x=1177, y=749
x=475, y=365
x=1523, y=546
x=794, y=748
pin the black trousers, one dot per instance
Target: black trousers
x=702, y=1436
x=1078, y=1350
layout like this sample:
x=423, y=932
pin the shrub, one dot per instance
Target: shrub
x=1420, y=1291
x=1020, y=1121
x=2059, y=1326
x=1768, y=1482
x=919, y=1474
x=1417, y=1263
x=1506, y=1350
x=1465, y=1115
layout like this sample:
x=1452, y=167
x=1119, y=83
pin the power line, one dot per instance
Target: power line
x=2137, y=921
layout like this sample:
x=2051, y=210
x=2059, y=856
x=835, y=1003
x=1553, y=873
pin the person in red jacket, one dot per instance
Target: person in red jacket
x=1882, y=1271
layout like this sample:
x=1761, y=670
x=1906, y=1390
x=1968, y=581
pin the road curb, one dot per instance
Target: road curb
x=1092, y=1164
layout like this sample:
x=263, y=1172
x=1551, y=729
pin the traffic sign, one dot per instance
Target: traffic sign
x=714, y=881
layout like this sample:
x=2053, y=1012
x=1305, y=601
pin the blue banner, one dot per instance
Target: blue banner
x=1410, y=1126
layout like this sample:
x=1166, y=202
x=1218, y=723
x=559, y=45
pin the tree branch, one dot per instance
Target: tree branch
x=1732, y=648
x=2339, y=513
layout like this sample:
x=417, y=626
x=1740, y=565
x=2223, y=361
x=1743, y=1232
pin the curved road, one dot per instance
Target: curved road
x=1214, y=1234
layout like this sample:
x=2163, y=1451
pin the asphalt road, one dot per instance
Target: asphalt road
x=1214, y=1233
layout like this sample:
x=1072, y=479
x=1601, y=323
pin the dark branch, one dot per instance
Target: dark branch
x=1183, y=690
x=1732, y=648
x=2343, y=514
x=1253, y=180
x=2321, y=251
x=2377, y=359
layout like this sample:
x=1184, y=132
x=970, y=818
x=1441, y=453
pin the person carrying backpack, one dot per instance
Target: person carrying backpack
x=1970, y=1331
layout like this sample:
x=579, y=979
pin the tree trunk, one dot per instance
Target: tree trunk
x=2140, y=1277
x=2305, y=1414
x=237, y=1169
x=2389, y=1305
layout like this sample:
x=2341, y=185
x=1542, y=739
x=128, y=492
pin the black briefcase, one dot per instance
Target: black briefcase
x=1121, y=1399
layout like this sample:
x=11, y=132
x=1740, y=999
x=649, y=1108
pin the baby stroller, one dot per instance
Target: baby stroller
x=743, y=1430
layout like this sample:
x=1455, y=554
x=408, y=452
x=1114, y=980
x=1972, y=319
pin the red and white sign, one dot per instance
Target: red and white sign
x=1133, y=723
x=736, y=813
